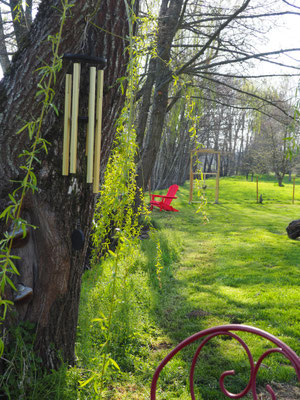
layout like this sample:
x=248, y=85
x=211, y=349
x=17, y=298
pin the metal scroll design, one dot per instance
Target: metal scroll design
x=226, y=330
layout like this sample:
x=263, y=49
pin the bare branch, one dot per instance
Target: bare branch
x=213, y=37
x=258, y=56
x=240, y=17
x=265, y=100
x=249, y=76
x=289, y=4
x=258, y=109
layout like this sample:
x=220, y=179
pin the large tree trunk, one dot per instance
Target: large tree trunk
x=49, y=264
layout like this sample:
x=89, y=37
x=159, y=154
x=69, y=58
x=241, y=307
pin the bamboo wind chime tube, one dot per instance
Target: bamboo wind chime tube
x=75, y=106
x=91, y=126
x=98, y=131
x=67, y=124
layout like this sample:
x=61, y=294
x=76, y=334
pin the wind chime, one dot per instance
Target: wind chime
x=93, y=141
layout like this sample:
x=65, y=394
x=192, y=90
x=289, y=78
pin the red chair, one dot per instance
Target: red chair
x=164, y=203
x=228, y=330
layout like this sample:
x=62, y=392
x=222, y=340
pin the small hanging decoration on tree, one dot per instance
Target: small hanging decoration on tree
x=93, y=141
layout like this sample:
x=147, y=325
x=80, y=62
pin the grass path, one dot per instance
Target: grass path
x=239, y=268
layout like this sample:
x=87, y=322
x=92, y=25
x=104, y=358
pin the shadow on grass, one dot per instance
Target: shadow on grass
x=197, y=299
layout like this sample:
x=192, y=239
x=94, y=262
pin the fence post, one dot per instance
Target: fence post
x=257, y=189
x=218, y=180
x=293, y=190
x=191, y=178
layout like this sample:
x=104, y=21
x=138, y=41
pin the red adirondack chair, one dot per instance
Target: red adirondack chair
x=164, y=203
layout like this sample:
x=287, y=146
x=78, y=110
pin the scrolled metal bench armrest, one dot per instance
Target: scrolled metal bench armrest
x=228, y=330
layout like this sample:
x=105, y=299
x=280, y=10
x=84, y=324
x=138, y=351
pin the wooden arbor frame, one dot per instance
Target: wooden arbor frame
x=205, y=151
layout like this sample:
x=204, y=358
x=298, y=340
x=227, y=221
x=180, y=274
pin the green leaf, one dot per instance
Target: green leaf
x=12, y=265
x=54, y=108
x=23, y=128
x=113, y=362
x=1, y=347
x=9, y=281
x=84, y=383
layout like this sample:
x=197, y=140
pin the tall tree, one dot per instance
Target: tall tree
x=169, y=17
x=15, y=22
x=49, y=264
x=201, y=40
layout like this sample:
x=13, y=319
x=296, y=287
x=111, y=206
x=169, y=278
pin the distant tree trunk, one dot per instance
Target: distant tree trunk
x=172, y=161
x=4, y=60
x=168, y=24
x=49, y=264
x=28, y=13
x=19, y=21
x=279, y=179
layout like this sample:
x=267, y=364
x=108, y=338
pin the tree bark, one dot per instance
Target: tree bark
x=49, y=264
x=169, y=17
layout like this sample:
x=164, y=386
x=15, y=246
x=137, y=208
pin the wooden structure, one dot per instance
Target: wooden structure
x=232, y=332
x=165, y=202
x=217, y=174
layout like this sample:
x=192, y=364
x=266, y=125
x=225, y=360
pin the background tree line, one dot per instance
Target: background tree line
x=252, y=138
x=206, y=52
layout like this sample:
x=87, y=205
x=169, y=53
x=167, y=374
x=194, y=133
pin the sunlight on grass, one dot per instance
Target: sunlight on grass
x=239, y=268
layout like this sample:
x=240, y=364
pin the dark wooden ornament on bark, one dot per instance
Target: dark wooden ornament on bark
x=77, y=239
x=293, y=229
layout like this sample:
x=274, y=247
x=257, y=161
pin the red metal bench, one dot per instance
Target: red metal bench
x=229, y=330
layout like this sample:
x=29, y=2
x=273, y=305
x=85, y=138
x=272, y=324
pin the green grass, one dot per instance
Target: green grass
x=238, y=190
x=239, y=268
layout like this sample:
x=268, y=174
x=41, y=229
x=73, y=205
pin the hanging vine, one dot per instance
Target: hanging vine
x=117, y=216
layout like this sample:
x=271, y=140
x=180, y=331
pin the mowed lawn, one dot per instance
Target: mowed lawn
x=241, y=267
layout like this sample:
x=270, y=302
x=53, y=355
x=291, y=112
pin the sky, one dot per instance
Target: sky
x=285, y=36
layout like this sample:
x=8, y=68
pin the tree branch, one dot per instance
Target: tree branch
x=213, y=37
x=208, y=43
x=255, y=96
x=289, y=4
x=240, y=17
x=250, y=57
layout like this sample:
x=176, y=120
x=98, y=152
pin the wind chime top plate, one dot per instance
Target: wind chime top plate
x=85, y=58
